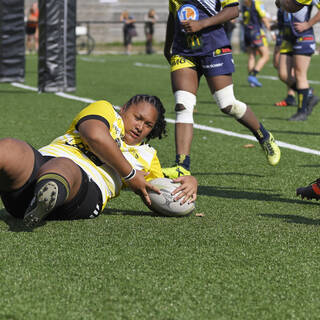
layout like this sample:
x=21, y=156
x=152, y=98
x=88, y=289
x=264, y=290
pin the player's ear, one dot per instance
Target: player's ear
x=122, y=110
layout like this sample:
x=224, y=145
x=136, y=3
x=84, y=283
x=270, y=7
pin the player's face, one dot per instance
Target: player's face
x=139, y=119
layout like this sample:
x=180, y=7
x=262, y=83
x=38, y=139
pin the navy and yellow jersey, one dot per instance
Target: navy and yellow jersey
x=70, y=145
x=206, y=40
x=280, y=26
x=303, y=15
x=307, y=2
x=253, y=15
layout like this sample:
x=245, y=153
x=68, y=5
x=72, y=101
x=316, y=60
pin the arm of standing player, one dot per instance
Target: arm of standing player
x=302, y=26
x=169, y=37
x=95, y=134
x=228, y=13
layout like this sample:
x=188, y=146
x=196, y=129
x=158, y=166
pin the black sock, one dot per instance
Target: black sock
x=261, y=134
x=253, y=72
x=61, y=182
x=183, y=160
x=303, y=99
x=294, y=87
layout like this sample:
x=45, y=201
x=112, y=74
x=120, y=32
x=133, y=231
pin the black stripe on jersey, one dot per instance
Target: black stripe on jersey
x=95, y=117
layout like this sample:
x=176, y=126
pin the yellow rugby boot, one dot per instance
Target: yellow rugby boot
x=175, y=172
x=271, y=150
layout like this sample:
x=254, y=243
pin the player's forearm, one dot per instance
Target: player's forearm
x=108, y=152
x=315, y=19
x=223, y=16
x=266, y=23
x=100, y=142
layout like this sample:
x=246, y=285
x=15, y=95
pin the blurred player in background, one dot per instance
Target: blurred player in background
x=150, y=20
x=196, y=44
x=278, y=27
x=298, y=45
x=78, y=173
x=32, y=30
x=129, y=30
x=254, y=20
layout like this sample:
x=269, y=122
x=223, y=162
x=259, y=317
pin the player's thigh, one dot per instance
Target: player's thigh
x=263, y=51
x=285, y=66
x=219, y=82
x=301, y=65
x=16, y=163
x=184, y=73
x=185, y=79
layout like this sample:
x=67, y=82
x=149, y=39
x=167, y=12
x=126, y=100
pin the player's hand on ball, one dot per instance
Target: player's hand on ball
x=140, y=186
x=187, y=190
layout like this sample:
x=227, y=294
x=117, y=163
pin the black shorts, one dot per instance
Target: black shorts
x=86, y=204
x=30, y=30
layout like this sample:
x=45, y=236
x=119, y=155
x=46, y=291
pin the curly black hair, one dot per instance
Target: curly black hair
x=159, y=129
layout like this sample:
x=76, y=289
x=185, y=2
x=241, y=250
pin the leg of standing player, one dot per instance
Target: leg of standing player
x=290, y=99
x=254, y=67
x=184, y=82
x=222, y=89
x=301, y=65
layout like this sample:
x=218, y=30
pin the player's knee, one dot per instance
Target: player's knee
x=185, y=102
x=226, y=110
x=229, y=104
x=10, y=149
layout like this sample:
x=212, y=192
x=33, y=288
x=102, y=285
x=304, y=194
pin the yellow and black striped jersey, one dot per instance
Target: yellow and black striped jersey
x=70, y=145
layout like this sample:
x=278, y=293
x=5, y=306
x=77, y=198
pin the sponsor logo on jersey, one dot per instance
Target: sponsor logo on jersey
x=221, y=51
x=213, y=66
x=188, y=12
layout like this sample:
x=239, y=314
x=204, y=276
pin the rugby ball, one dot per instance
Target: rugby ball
x=164, y=203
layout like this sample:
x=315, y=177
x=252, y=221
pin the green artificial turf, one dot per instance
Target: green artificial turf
x=253, y=255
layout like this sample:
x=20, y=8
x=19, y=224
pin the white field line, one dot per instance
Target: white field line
x=196, y=126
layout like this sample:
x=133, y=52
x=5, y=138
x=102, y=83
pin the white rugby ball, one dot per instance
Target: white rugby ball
x=164, y=203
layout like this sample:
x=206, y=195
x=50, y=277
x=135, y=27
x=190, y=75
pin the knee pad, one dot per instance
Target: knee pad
x=238, y=109
x=225, y=98
x=188, y=100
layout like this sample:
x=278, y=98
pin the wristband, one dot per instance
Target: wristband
x=131, y=175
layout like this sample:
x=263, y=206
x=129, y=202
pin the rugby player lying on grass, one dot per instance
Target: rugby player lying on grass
x=76, y=174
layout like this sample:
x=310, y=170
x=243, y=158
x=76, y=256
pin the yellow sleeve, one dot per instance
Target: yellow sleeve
x=174, y=6
x=100, y=109
x=260, y=9
x=304, y=2
x=155, y=169
x=226, y=3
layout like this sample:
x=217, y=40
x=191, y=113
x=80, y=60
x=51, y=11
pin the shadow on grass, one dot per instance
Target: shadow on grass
x=14, y=224
x=120, y=212
x=292, y=218
x=233, y=193
x=227, y=174
x=300, y=133
x=15, y=91
x=310, y=166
